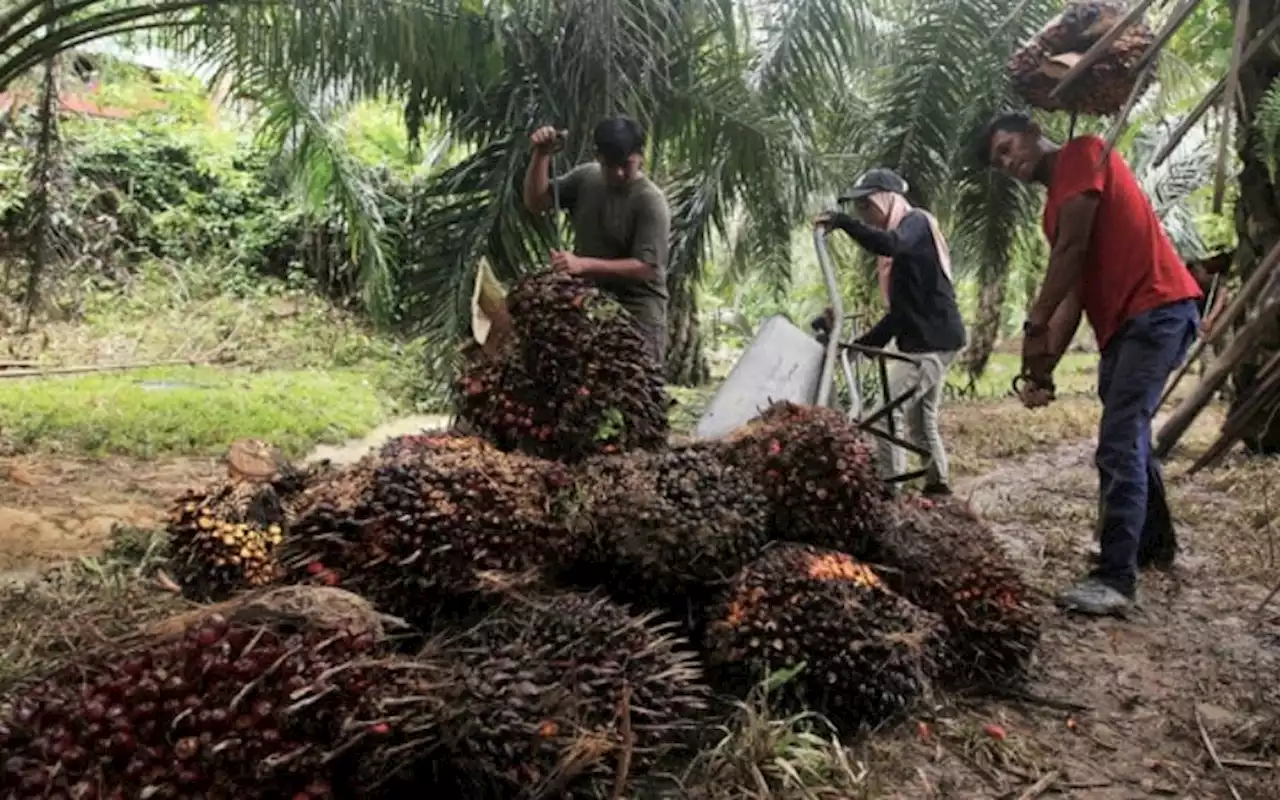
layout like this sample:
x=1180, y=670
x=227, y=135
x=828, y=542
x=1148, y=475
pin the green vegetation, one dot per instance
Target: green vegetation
x=188, y=410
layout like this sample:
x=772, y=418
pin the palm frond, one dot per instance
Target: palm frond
x=803, y=47
x=1266, y=120
x=298, y=125
x=1171, y=185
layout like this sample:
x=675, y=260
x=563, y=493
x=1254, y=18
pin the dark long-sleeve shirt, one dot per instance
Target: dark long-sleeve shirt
x=923, y=316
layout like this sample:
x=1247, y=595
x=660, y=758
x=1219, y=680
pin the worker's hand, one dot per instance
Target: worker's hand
x=546, y=140
x=1034, y=394
x=825, y=220
x=566, y=262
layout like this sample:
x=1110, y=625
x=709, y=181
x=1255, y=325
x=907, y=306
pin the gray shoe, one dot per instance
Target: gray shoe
x=1095, y=598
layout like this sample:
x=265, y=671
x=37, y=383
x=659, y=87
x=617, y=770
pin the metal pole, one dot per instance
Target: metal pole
x=837, y=323
x=555, y=197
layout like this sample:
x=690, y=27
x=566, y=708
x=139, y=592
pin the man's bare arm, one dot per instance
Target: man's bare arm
x=537, y=183
x=1066, y=262
x=1063, y=326
x=626, y=268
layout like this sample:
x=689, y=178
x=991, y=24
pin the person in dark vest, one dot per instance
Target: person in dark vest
x=913, y=266
x=1112, y=260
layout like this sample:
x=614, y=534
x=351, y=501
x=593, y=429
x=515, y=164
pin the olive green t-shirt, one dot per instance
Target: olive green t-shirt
x=629, y=222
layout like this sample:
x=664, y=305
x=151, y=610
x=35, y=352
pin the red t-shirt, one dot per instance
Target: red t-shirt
x=1132, y=266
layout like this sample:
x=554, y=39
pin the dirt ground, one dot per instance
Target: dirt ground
x=55, y=508
x=52, y=508
x=1116, y=709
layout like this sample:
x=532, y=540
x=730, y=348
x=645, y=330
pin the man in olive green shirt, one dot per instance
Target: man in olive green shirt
x=621, y=222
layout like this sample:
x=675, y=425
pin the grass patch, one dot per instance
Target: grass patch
x=187, y=410
x=79, y=606
x=1076, y=373
x=220, y=313
x=980, y=434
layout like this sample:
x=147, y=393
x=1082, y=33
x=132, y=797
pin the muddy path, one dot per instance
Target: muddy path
x=1118, y=709
x=54, y=508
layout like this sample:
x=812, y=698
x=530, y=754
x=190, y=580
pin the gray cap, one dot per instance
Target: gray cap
x=874, y=180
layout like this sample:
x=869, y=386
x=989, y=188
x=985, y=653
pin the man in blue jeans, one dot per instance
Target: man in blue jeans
x=1111, y=259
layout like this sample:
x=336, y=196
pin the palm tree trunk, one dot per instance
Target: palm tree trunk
x=1258, y=217
x=43, y=175
x=686, y=357
x=986, y=332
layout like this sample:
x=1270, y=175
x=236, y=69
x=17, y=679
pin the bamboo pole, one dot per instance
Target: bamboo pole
x=1267, y=389
x=1216, y=375
x=1212, y=95
x=1171, y=27
x=1146, y=64
x=1099, y=48
x=1256, y=286
x=88, y=368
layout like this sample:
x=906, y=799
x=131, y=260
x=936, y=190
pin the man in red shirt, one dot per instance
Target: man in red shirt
x=1112, y=259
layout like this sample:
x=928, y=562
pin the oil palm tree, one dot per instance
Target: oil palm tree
x=1258, y=208
x=725, y=89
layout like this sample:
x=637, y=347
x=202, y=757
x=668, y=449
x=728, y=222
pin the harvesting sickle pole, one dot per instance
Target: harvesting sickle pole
x=827, y=379
x=562, y=137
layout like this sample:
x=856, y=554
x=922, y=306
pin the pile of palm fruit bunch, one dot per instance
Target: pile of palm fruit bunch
x=554, y=695
x=818, y=473
x=944, y=559
x=1036, y=68
x=575, y=379
x=223, y=538
x=867, y=653
x=248, y=706
x=665, y=530
x=424, y=518
x=299, y=693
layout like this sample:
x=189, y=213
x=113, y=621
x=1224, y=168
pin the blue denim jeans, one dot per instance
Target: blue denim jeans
x=1132, y=374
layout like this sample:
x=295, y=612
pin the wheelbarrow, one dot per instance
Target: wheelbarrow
x=784, y=363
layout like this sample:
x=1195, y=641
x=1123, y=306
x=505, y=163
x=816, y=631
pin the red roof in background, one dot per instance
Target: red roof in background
x=74, y=103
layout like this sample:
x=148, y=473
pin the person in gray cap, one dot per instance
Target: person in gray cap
x=913, y=266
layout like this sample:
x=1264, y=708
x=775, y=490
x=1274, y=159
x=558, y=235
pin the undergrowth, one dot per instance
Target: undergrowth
x=80, y=605
x=272, y=360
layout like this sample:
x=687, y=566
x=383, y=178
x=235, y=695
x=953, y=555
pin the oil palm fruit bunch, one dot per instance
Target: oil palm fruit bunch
x=1035, y=69
x=668, y=529
x=227, y=708
x=817, y=470
x=576, y=379
x=425, y=520
x=432, y=442
x=867, y=653
x=944, y=559
x=553, y=695
x=224, y=538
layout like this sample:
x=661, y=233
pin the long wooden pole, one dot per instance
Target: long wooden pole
x=1145, y=65
x=1099, y=49
x=1268, y=389
x=1181, y=15
x=1213, y=379
x=88, y=368
x=1253, y=288
x=1188, y=122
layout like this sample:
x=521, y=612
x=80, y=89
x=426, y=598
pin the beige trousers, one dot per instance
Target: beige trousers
x=920, y=414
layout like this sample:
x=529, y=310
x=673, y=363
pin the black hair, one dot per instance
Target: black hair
x=1011, y=121
x=618, y=138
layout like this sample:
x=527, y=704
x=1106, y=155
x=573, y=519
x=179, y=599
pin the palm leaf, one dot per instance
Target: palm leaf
x=296, y=124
